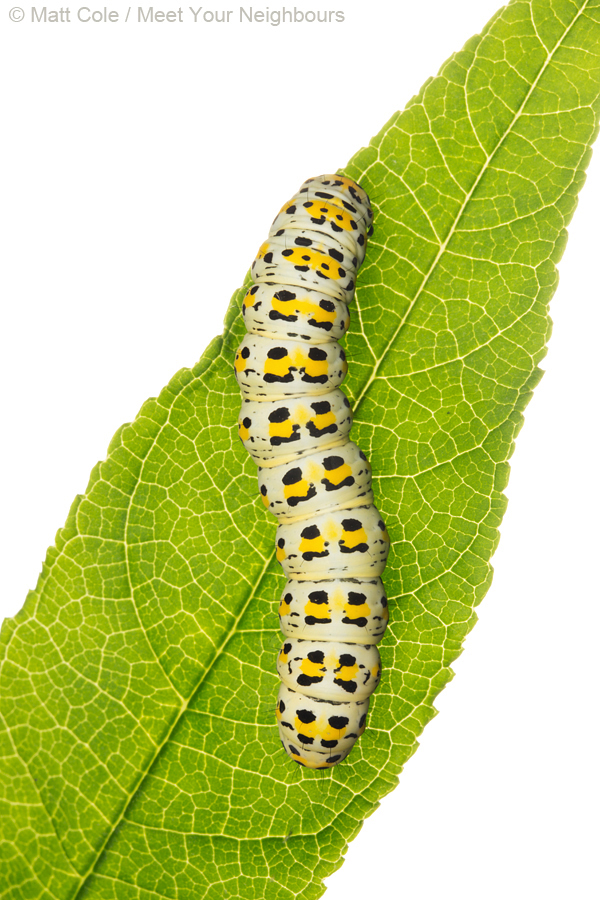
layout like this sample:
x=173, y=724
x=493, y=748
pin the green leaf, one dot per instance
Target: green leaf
x=140, y=756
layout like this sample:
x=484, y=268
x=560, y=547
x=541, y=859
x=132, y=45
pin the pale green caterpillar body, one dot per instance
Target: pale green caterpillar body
x=295, y=421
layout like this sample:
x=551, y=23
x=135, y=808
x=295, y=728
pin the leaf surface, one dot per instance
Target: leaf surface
x=140, y=758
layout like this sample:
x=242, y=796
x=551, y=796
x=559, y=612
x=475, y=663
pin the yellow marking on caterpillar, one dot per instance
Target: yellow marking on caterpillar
x=337, y=599
x=304, y=307
x=316, y=368
x=301, y=415
x=354, y=538
x=249, y=299
x=314, y=472
x=317, y=208
x=331, y=661
x=300, y=358
x=318, y=610
x=312, y=367
x=278, y=367
x=332, y=213
x=281, y=429
x=336, y=476
x=312, y=669
x=284, y=607
x=283, y=657
x=299, y=489
x=263, y=250
x=332, y=531
x=312, y=545
x=244, y=432
x=315, y=258
x=347, y=673
x=357, y=612
x=240, y=362
x=375, y=671
x=309, y=729
x=265, y=499
x=347, y=183
x=280, y=554
x=344, y=185
x=323, y=420
x=314, y=765
x=333, y=734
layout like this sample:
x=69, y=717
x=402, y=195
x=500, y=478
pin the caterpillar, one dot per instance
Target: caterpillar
x=295, y=421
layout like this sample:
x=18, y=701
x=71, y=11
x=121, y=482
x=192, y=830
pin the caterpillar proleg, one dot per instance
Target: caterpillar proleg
x=295, y=421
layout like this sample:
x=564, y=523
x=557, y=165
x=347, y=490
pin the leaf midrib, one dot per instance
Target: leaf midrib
x=176, y=719
x=376, y=368
x=467, y=199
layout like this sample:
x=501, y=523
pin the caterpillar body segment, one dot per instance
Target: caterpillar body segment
x=329, y=670
x=295, y=422
x=344, y=543
x=275, y=431
x=320, y=725
x=267, y=368
x=311, y=759
x=342, y=192
x=306, y=262
x=275, y=311
x=319, y=482
x=351, y=610
x=330, y=214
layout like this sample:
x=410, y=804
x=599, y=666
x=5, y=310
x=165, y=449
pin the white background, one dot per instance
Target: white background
x=131, y=152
